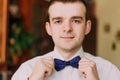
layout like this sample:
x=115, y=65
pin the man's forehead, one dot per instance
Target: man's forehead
x=66, y=6
x=67, y=10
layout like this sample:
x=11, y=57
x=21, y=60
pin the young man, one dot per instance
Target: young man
x=67, y=25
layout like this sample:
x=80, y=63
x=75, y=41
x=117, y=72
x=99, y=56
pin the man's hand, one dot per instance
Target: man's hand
x=43, y=69
x=88, y=69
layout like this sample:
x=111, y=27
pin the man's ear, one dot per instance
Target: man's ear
x=88, y=27
x=48, y=29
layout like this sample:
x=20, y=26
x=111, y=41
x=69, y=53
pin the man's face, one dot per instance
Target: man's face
x=67, y=25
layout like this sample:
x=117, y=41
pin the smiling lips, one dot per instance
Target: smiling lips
x=67, y=38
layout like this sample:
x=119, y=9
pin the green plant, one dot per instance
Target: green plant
x=19, y=39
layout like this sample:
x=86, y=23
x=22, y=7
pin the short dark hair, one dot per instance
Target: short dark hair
x=68, y=1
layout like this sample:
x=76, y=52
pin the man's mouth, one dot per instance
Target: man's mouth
x=67, y=37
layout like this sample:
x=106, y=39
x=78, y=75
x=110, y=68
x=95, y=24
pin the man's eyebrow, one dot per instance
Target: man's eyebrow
x=56, y=18
x=77, y=17
x=74, y=17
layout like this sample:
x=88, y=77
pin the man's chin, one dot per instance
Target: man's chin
x=68, y=48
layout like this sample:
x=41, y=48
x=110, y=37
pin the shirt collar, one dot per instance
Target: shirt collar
x=57, y=55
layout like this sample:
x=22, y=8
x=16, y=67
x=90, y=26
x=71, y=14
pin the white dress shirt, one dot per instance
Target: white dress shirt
x=106, y=70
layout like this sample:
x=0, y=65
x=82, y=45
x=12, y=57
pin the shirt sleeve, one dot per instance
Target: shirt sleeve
x=114, y=73
x=23, y=72
x=107, y=70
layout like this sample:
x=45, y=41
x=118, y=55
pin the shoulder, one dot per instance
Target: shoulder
x=104, y=66
x=26, y=68
x=98, y=60
x=31, y=62
x=101, y=63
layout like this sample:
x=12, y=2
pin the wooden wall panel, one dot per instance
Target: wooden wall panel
x=3, y=28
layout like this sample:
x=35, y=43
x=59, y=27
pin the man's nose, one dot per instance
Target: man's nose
x=67, y=27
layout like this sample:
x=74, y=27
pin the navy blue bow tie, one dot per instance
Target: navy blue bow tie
x=59, y=64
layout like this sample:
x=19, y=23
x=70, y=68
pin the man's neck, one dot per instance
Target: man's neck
x=67, y=54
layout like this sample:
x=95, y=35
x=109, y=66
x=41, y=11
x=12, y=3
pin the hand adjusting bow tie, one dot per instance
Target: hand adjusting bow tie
x=59, y=64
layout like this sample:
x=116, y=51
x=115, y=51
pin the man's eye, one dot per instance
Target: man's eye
x=76, y=21
x=58, y=22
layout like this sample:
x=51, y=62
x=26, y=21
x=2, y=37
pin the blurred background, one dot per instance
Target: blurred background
x=23, y=35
